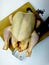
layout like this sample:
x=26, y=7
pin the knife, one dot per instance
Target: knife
x=43, y=28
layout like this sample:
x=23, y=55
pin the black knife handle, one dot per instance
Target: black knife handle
x=43, y=28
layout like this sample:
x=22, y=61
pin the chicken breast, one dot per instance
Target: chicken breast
x=23, y=25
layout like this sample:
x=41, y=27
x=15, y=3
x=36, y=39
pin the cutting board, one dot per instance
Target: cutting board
x=5, y=22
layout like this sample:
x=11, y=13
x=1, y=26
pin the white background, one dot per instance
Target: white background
x=40, y=54
x=8, y=6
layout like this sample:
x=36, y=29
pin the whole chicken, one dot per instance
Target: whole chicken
x=20, y=31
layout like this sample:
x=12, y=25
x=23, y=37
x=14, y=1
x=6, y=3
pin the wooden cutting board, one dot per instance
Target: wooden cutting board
x=5, y=22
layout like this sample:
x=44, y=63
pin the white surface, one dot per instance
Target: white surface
x=8, y=6
x=40, y=55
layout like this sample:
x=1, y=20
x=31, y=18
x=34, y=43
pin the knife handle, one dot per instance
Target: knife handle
x=43, y=28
